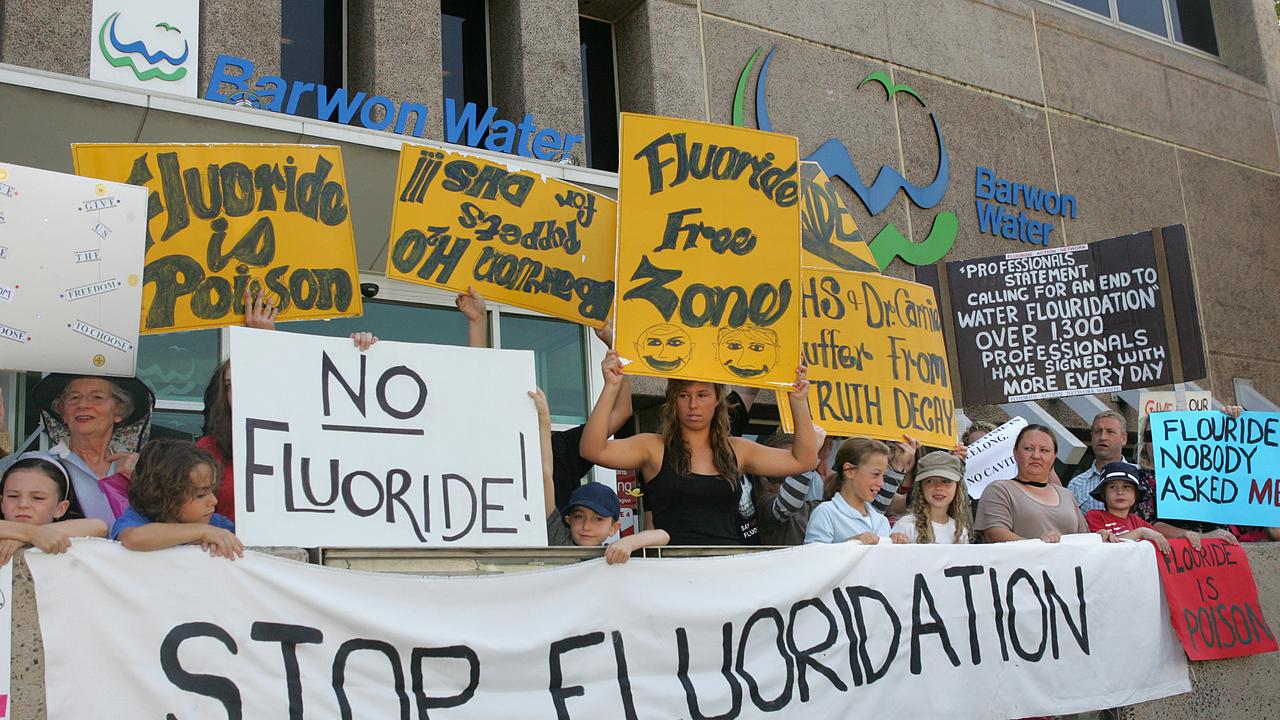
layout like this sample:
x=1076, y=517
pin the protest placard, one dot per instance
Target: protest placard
x=1116, y=314
x=990, y=457
x=221, y=218
x=518, y=237
x=1011, y=630
x=70, y=272
x=1154, y=401
x=1215, y=468
x=877, y=359
x=828, y=233
x=6, y=638
x=403, y=446
x=708, y=252
x=1213, y=600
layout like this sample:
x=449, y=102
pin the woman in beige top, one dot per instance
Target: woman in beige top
x=1030, y=506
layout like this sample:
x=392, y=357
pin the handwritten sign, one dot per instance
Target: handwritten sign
x=828, y=233
x=877, y=359
x=990, y=457
x=221, y=218
x=70, y=272
x=708, y=252
x=518, y=237
x=1213, y=600
x=1215, y=468
x=334, y=447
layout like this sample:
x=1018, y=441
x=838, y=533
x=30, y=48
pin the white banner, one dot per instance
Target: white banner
x=991, y=457
x=823, y=631
x=403, y=446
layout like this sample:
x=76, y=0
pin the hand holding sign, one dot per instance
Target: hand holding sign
x=259, y=311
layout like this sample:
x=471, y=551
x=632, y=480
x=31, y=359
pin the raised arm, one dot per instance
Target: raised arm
x=596, y=445
x=622, y=408
x=544, y=444
x=471, y=304
x=803, y=456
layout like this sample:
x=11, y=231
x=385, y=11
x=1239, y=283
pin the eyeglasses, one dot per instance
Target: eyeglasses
x=96, y=398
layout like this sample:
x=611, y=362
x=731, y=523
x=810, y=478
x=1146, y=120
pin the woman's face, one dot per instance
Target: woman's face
x=89, y=408
x=1034, y=455
x=865, y=480
x=31, y=497
x=696, y=405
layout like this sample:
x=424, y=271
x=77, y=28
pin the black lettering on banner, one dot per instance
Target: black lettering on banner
x=922, y=592
x=856, y=594
x=348, y=495
x=855, y=667
x=624, y=679
x=486, y=506
x=452, y=652
x=726, y=669
x=252, y=467
x=995, y=600
x=289, y=637
x=395, y=494
x=213, y=686
x=446, y=253
x=164, y=273
x=655, y=291
x=753, y=687
x=140, y=174
x=1081, y=631
x=340, y=673
x=328, y=369
x=1019, y=575
x=560, y=693
x=964, y=572
x=385, y=403
x=237, y=189
x=195, y=193
x=804, y=658
x=700, y=161
x=445, y=479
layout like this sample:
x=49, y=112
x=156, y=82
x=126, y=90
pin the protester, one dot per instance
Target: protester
x=1119, y=490
x=892, y=498
x=172, y=500
x=1029, y=506
x=34, y=496
x=784, y=504
x=939, y=503
x=850, y=513
x=1107, y=437
x=692, y=469
x=975, y=431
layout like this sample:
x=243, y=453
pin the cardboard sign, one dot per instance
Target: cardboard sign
x=518, y=237
x=1214, y=468
x=1213, y=600
x=836, y=631
x=708, y=252
x=877, y=359
x=70, y=272
x=990, y=457
x=828, y=233
x=223, y=217
x=1073, y=320
x=403, y=446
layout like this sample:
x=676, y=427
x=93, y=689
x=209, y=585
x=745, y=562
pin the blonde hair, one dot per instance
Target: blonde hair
x=853, y=451
x=959, y=510
x=677, y=450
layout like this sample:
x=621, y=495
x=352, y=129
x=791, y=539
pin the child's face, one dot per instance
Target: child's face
x=31, y=497
x=199, y=505
x=865, y=480
x=1120, y=495
x=939, y=492
x=588, y=528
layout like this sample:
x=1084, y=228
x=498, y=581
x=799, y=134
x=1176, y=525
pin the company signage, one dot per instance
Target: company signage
x=148, y=44
x=1002, y=207
x=233, y=82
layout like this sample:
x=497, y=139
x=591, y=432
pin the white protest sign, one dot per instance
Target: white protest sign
x=403, y=446
x=991, y=457
x=70, y=272
x=965, y=631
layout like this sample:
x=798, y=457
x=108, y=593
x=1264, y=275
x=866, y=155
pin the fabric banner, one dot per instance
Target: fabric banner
x=708, y=252
x=1213, y=600
x=990, y=457
x=402, y=446
x=225, y=217
x=518, y=237
x=70, y=272
x=1215, y=468
x=824, y=631
x=877, y=359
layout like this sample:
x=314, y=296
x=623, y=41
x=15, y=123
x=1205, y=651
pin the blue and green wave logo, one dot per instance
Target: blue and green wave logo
x=128, y=52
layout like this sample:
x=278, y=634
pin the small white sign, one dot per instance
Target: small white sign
x=991, y=457
x=153, y=45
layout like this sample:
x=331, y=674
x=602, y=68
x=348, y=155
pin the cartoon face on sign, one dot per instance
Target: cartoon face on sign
x=748, y=351
x=665, y=347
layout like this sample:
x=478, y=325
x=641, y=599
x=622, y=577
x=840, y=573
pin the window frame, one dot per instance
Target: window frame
x=1114, y=21
x=617, y=90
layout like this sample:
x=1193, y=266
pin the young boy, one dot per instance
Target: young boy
x=1119, y=490
x=592, y=511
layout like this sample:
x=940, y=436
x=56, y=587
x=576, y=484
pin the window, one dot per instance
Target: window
x=392, y=321
x=560, y=357
x=177, y=368
x=599, y=94
x=464, y=52
x=1187, y=23
x=312, y=42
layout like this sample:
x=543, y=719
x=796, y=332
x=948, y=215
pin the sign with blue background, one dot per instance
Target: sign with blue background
x=1214, y=468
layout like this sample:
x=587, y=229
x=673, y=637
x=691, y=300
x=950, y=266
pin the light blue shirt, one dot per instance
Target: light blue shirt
x=93, y=502
x=836, y=521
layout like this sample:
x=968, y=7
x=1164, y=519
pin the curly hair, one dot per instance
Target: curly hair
x=960, y=510
x=217, y=409
x=853, y=451
x=678, y=450
x=162, y=478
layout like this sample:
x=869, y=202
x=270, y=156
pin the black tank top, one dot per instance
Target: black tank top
x=694, y=509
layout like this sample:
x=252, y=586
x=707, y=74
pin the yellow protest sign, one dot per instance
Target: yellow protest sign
x=877, y=359
x=828, y=233
x=708, y=252
x=225, y=217
x=518, y=237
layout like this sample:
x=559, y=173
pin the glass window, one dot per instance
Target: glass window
x=464, y=51
x=177, y=425
x=1193, y=24
x=1102, y=7
x=392, y=321
x=599, y=97
x=177, y=366
x=1191, y=21
x=1143, y=14
x=560, y=353
x=311, y=46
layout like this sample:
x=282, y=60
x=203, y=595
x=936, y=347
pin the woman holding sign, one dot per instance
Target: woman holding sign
x=1030, y=505
x=691, y=470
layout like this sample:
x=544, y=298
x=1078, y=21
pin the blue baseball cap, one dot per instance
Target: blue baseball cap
x=596, y=497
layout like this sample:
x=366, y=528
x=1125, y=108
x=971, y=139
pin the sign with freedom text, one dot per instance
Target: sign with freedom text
x=1215, y=468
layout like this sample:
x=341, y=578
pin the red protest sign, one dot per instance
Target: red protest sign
x=1213, y=601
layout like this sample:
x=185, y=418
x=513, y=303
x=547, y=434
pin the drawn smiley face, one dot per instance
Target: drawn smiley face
x=665, y=347
x=748, y=351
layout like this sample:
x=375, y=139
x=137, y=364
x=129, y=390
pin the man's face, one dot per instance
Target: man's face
x=665, y=347
x=1108, y=438
x=747, y=354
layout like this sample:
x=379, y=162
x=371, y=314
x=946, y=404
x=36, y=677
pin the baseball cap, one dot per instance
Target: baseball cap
x=942, y=464
x=596, y=497
x=1117, y=470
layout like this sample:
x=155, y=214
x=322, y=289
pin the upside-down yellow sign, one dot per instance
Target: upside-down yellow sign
x=518, y=237
x=828, y=233
x=708, y=252
x=225, y=217
x=877, y=359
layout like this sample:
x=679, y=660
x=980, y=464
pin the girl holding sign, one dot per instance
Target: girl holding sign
x=691, y=470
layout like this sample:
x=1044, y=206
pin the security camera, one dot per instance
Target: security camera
x=369, y=290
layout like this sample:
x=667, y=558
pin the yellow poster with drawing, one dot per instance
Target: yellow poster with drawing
x=518, y=237
x=225, y=217
x=877, y=358
x=828, y=233
x=708, y=252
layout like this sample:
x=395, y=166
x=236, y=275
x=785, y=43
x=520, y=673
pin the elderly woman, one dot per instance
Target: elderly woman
x=1030, y=505
x=97, y=425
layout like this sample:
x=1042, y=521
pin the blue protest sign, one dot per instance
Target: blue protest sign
x=1215, y=468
